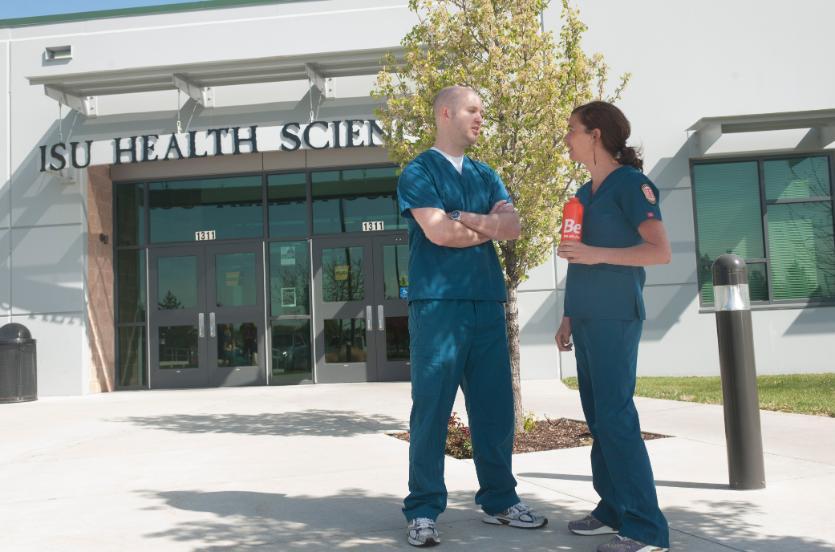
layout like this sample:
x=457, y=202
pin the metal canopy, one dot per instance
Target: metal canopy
x=79, y=90
x=820, y=122
x=768, y=121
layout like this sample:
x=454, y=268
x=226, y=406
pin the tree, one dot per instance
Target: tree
x=529, y=82
x=170, y=302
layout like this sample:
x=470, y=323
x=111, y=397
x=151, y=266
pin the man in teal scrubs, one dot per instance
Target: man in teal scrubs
x=455, y=207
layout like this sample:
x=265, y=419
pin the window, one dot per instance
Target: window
x=129, y=261
x=776, y=213
x=287, y=197
x=231, y=206
x=344, y=199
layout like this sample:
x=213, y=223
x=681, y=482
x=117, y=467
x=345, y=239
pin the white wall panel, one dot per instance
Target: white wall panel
x=541, y=277
x=537, y=324
x=215, y=35
x=697, y=59
x=794, y=341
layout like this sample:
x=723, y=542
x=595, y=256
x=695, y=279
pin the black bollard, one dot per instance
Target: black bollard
x=739, y=376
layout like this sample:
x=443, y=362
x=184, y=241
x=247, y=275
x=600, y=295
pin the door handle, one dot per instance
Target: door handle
x=369, y=320
x=211, y=324
x=201, y=325
x=381, y=318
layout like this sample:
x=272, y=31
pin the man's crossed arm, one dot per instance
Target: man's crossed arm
x=502, y=223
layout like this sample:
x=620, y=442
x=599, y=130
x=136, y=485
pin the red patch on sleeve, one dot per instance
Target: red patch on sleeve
x=650, y=215
x=648, y=193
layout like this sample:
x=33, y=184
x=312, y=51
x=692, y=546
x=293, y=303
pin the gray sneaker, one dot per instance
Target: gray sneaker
x=518, y=515
x=589, y=526
x=422, y=532
x=623, y=544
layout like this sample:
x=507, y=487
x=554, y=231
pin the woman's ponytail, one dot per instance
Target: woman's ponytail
x=630, y=156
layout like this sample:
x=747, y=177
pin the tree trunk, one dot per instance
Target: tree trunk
x=512, y=322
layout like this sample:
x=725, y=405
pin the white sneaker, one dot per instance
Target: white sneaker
x=518, y=515
x=422, y=532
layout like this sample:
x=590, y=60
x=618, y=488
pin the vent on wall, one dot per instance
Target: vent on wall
x=58, y=53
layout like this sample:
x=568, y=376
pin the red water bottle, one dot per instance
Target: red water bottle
x=572, y=220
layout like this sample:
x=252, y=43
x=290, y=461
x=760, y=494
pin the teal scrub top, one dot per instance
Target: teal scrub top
x=611, y=217
x=437, y=272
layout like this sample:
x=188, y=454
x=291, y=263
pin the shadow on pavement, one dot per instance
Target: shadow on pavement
x=721, y=521
x=315, y=423
x=717, y=521
x=245, y=521
x=658, y=482
x=354, y=520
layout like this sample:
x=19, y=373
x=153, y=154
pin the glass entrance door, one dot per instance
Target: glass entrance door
x=342, y=279
x=391, y=307
x=207, y=315
x=361, y=317
x=177, y=317
x=235, y=304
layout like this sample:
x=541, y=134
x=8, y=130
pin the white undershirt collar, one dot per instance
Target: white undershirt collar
x=457, y=162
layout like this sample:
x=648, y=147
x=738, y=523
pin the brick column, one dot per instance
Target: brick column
x=100, y=301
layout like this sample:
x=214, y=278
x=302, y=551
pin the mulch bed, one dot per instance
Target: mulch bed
x=547, y=434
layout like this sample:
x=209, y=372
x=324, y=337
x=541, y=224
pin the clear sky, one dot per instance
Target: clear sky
x=12, y=9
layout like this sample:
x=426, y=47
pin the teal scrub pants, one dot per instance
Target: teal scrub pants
x=459, y=343
x=607, y=356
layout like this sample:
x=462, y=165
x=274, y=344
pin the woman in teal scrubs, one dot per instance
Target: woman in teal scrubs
x=603, y=315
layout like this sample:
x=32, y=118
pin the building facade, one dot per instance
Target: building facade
x=198, y=196
x=735, y=120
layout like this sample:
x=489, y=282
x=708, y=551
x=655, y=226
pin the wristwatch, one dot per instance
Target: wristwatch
x=455, y=215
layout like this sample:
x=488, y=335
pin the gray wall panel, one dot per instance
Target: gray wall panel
x=5, y=115
x=341, y=157
x=218, y=165
x=43, y=198
x=47, y=269
x=5, y=273
x=677, y=211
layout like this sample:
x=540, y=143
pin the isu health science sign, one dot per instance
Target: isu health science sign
x=194, y=144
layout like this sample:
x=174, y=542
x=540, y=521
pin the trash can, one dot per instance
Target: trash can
x=18, y=369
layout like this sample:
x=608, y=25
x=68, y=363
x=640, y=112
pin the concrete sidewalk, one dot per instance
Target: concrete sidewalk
x=311, y=468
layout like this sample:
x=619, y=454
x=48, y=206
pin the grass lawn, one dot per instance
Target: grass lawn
x=800, y=393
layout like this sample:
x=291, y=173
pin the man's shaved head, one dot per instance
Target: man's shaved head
x=449, y=97
x=459, y=115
